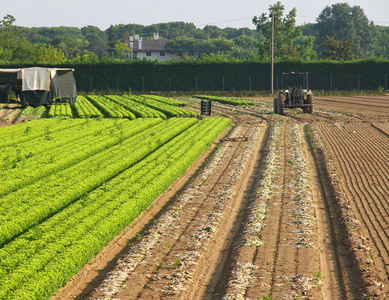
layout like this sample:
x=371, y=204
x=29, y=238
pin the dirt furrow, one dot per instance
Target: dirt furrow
x=296, y=244
x=242, y=269
x=279, y=235
x=173, y=264
x=361, y=168
x=8, y=114
x=369, y=100
x=360, y=158
x=376, y=106
x=384, y=127
x=198, y=235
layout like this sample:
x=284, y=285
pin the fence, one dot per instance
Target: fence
x=162, y=83
x=188, y=83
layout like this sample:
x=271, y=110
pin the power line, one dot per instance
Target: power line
x=310, y=17
x=375, y=22
x=226, y=21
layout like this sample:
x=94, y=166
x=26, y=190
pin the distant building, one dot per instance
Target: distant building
x=152, y=49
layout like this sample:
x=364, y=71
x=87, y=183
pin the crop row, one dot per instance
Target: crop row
x=109, y=108
x=84, y=109
x=43, y=143
x=73, y=148
x=29, y=205
x=60, y=110
x=32, y=111
x=36, y=263
x=225, y=100
x=139, y=110
x=168, y=110
x=115, y=106
x=169, y=101
x=14, y=135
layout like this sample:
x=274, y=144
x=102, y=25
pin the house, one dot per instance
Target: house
x=151, y=49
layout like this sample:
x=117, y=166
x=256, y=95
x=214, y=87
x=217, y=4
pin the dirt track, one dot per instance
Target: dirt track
x=290, y=206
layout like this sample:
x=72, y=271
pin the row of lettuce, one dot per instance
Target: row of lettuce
x=72, y=185
x=225, y=100
x=126, y=106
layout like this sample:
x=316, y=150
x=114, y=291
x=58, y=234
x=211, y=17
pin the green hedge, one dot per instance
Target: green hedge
x=143, y=76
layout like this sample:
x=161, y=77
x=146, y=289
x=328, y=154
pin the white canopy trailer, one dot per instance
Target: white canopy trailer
x=39, y=86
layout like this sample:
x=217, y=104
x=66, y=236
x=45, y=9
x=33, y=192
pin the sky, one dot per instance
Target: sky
x=221, y=13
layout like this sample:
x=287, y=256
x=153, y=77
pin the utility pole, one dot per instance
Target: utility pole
x=272, y=54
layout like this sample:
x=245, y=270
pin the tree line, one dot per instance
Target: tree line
x=341, y=32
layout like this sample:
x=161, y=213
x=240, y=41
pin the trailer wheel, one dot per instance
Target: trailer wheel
x=24, y=103
x=310, y=102
x=275, y=105
x=281, y=103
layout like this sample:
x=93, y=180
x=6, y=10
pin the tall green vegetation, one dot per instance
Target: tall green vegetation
x=349, y=24
x=13, y=47
x=289, y=43
x=338, y=49
x=338, y=29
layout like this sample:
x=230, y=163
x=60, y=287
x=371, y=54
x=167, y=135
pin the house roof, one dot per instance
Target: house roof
x=149, y=45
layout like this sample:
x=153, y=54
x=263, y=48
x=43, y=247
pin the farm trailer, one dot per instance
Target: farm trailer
x=39, y=86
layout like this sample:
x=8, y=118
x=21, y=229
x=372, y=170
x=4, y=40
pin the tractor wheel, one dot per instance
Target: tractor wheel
x=281, y=102
x=275, y=105
x=24, y=102
x=310, y=101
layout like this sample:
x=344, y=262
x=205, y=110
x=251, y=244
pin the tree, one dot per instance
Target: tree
x=13, y=46
x=213, y=31
x=338, y=50
x=97, y=39
x=84, y=57
x=286, y=35
x=245, y=42
x=348, y=23
x=121, y=49
x=217, y=45
x=24, y=52
x=383, y=42
x=172, y=30
x=182, y=45
x=49, y=55
x=112, y=37
x=9, y=38
x=215, y=57
x=244, y=55
x=66, y=43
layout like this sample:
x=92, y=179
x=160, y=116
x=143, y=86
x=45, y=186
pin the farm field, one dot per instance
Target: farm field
x=98, y=106
x=284, y=207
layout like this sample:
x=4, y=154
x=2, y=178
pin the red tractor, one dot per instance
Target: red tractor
x=293, y=96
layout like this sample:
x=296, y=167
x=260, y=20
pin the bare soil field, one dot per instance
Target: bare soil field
x=280, y=207
x=8, y=114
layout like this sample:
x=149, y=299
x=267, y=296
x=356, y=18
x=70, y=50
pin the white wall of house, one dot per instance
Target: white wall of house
x=156, y=55
x=152, y=49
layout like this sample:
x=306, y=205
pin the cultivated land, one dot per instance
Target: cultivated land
x=288, y=207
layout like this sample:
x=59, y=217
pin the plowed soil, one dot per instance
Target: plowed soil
x=283, y=207
x=8, y=114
